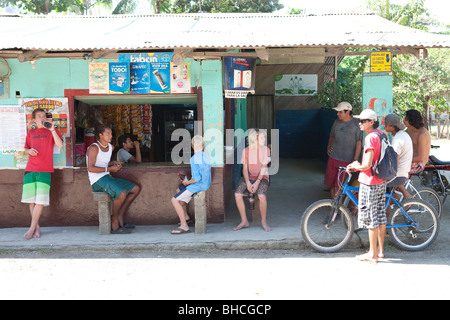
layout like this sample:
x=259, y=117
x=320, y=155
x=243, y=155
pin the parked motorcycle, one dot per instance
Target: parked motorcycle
x=436, y=175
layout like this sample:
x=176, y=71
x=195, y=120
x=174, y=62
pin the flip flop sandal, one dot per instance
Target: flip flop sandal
x=179, y=231
x=129, y=226
x=121, y=230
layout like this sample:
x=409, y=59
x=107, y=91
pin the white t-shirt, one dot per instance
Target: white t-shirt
x=402, y=144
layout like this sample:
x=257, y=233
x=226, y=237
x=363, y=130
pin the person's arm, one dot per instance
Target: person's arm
x=366, y=164
x=358, y=149
x=56, y=137
x=28, y=150
x=330, y=145
x=138, y=158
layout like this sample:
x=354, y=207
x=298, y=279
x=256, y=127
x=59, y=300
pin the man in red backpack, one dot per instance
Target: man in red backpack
x=372, y=189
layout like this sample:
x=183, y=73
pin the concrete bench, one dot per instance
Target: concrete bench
x=200, y=212
x=105, y=207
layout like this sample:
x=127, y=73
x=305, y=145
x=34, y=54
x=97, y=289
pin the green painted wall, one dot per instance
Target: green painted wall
x=377, y=94
x=50, y=77
x=213, y=112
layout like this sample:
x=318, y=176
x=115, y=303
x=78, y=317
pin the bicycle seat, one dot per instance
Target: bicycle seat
x=438, y=162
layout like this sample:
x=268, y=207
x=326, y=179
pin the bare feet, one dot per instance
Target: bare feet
x=266, y=227
x=367, y=257
x=29, y=234
x=37, y=232
x=240, y=226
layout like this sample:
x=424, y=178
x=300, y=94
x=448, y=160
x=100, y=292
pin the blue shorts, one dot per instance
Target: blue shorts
x=112, y=186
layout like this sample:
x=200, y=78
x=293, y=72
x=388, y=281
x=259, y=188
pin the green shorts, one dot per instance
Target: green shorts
x=112, y=186
x=36, y=188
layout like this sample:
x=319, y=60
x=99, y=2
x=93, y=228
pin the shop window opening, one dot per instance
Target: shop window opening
x=150, y=124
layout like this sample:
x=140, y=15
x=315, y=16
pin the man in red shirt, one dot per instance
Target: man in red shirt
x=372, y=190
x=39, y=146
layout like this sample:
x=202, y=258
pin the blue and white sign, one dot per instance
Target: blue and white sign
x=140, y=77
x=159, y=68
x=119, y=77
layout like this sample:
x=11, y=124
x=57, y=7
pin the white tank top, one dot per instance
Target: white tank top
x=103, y=158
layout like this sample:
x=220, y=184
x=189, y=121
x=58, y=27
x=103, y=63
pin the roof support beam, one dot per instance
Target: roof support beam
x=32, y=55
x=99, y=54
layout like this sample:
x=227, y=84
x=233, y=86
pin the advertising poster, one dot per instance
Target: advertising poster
x=19, y=121
x=181, y=78
x=58, y=107
x=99, y=78
x=239, y=74
x=295, y=84
x=140, y=77
x=160, y=71
x=13, y=129
x=119, y=77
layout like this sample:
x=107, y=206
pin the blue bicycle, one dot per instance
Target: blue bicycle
x=328, y=225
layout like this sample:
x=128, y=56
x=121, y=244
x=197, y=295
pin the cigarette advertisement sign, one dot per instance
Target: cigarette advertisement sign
x=140, y=77
x=98, y=78
x=119, y=77
x=160, y=71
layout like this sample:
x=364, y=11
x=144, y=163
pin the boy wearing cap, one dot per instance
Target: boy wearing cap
x=372, y=190
x=403, y=146
x=344, y=144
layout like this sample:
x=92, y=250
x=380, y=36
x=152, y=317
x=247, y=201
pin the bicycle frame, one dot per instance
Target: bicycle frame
x=347, y=191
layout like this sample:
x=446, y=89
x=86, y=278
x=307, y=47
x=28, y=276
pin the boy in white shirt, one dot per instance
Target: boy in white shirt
x=403, y=146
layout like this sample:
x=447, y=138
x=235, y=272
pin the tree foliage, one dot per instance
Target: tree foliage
x=417, y=84
x=45, y=6
x=233, y=6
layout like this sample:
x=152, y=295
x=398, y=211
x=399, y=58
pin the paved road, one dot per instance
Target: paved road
x=222, y=274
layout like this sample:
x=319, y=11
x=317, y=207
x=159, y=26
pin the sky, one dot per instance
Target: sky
x=439, y=8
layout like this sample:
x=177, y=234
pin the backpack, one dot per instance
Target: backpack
x=386, y=167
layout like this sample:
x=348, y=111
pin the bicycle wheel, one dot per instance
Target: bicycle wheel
x=414, y=238
x=430, y=196
x=319, y=234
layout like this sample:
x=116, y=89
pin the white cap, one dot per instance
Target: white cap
x=367, y=114
x=343, y=106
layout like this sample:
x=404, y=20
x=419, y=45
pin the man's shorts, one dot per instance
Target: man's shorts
x=398, y=181
x=331, y=178
x=372, y=206
x=262, y=188
x=184, y=194
x=112, y=186
x=36, y=188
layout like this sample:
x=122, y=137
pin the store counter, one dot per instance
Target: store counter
x=72, y=202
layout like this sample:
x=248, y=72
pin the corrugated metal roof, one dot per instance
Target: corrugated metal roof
x=134, y=32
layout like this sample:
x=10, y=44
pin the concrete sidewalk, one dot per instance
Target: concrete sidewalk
x=297, y=184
